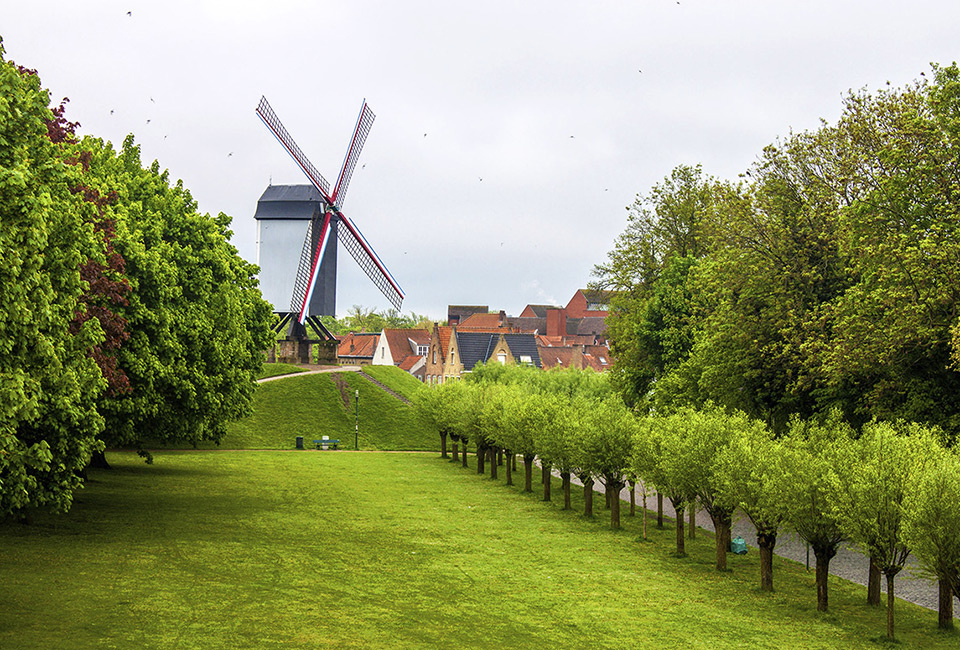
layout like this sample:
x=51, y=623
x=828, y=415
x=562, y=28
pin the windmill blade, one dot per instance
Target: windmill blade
x=369, y=261
x=360, y=132
x=273, y=123
x=309, y=267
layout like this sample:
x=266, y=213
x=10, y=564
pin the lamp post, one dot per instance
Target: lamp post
x=356, y=414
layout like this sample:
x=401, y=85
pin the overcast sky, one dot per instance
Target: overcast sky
x=565, y=111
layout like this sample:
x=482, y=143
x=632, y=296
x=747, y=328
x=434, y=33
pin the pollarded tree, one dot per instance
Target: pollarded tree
x=747, y=467
x=558, y=440
x=879, y=471
x=48, y=379
x=931, y=526
x=696, y=455
x=812, y=474
x=608, y=433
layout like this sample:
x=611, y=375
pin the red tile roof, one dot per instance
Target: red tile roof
x=357, y=345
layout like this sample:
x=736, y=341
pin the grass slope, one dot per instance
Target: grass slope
x=313, y=406
x=345, y=550
x=277, y=369
x=395, y=379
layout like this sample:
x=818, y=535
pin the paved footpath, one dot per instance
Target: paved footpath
x=849, y=563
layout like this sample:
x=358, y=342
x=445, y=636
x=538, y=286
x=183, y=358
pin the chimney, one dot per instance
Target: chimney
x=556, y=323
x=503, y=319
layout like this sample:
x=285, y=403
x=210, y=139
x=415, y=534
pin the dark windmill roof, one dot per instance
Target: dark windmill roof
x=289, y=202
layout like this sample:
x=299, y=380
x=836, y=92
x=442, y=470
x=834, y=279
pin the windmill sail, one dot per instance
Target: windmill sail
x=360, y=132
x=355, y=243
x=265, y=111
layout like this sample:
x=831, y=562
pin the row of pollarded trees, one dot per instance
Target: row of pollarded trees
x=125, y=314
x=891, y=488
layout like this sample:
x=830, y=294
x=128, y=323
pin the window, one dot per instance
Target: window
x=434, y=355
x=383, y=351
x=502, y=358
x=526, y=359
x=422, y=350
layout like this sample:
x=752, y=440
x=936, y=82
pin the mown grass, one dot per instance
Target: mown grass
x=278, y=369
x=397, y=380
x=356, y=550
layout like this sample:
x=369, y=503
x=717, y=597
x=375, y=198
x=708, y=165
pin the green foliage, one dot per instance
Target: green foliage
x=931, y=524
x=196, y=320
x=278, y=370
x=746, y=471
x=48, y=380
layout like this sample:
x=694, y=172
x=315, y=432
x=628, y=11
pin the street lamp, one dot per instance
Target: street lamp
x=356, y=414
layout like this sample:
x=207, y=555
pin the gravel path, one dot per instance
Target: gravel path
x=849, y=563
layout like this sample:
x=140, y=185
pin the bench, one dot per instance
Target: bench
x=334, y=443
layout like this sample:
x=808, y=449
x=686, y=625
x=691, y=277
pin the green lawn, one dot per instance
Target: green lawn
x=286, y=549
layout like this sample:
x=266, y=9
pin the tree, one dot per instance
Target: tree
x=880, y=470
x=747, y=467
x=196, y=321
x=812, y=474
x=50, y=381
x=557, y=439
x=931, y=526
x=429, y=405
x=608, y=433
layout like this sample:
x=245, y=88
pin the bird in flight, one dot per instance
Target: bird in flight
x=129, y=13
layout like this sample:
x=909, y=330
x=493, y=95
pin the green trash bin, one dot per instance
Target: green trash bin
x=299, y=442
x=738, y=546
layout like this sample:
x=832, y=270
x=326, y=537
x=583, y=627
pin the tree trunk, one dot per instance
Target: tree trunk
x=890, y=600
x=659, y=510
x=527, y=473
x=99, y=461
x=544, y=472
x=588, y=497
x=509, y=468
x=945, y=615
x=464, y=453
x=494, y=455
x=681, y=550
x=692, y=533
x=823, y=554
x=513, y=461
x=644, y=512
x=633, y=498
x=766, y=541
x=614, y=489
x=455, y=453
x=546, y=482
x=873, y=582
x=443, y=444
x=606, y=495
x=565, y=480
x=499, y=455
x=721, y=545
x=481, y=458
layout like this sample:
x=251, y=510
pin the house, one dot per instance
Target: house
x=537, y=311
x=587, y=302
x=395, y=345
x=488, y=321
x=455, y=351
x=356, y=349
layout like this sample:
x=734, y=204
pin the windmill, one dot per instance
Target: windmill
x=302, y=288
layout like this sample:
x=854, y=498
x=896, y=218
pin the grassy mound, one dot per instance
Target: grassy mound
x=278, y=369
x=320, y=405
x=356, y=550
x=395, y=379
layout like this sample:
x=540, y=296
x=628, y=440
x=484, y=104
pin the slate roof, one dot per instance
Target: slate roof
x=289, y=202
x=522, y=345
x=474, y=347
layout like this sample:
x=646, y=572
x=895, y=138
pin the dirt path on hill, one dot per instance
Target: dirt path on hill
x=312, y=370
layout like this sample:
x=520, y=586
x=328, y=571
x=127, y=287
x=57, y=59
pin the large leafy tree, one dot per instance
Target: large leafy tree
x=49, y=379
x=195, y=318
